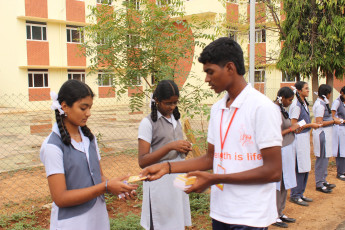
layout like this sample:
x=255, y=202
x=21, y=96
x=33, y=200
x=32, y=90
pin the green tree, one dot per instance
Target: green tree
x=147, y=42
x=314, y=39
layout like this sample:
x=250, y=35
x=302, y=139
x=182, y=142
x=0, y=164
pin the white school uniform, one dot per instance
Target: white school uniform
x=338, y=133
x=255, y=126
x=319, y=110
x=52, y=158
x=302, y=141
x=169, y=205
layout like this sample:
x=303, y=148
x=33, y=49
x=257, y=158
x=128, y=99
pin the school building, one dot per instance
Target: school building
x=39, y=46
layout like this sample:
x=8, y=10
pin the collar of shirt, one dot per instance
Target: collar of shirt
x=237, y=103
x=78, y=146
x=172, y=120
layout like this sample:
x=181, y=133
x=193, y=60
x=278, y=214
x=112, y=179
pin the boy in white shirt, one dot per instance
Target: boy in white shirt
x=244, y=146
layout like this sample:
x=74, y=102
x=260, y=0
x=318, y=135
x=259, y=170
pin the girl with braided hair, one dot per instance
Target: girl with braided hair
x=71, y=158
x=160, y=139
x=299, y=111
x=284, y=99
x=322, y=137
x=338, y=110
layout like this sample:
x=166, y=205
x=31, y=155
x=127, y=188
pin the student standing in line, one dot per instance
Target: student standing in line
x=244, y=155
x=338, y=111
x=322, y=138
x=160, y=139
x=71, y=158
x=284, y=99
x=299, y=111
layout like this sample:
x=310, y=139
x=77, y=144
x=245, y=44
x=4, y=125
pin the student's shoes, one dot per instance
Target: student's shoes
x=328, y=185
x=279, y=223
x=286, y=219
x=298, y=201
x=341, y=177
x=324, y=189
x=307, y=199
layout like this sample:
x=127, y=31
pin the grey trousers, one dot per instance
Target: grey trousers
x=340, y=161
x=281, y=198
x=321, y=163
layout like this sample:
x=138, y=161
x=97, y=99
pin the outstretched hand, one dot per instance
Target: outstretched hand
x=116, y=186
x=202, y=182
x=156, y=171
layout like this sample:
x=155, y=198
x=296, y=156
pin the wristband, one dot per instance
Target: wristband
x=169, y=166
x=106, y=186
x=290, y=129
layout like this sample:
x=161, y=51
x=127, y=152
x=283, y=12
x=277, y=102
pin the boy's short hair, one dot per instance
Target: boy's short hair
x=222, y=51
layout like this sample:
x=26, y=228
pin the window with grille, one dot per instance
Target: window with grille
x=76, y=75
x=164, y=2
x=36, y=31
x=74, y=35
x=108, y=2
x=288, y=78
x=260, y=35
x=38, y=78
x=259, y=75
x=105, y=79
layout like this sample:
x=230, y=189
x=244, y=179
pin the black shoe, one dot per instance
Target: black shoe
x=328, y=185
x=324, y=189
x=298, y=201
x=287, y=219
x=341, y=177
x=281, y=224
x=307, y=199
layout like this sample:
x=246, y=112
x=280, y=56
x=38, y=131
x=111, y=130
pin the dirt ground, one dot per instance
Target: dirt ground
x=327, y=211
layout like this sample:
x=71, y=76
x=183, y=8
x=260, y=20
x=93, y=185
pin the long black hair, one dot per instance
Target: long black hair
x=299, y=85
x=164, y=91
x=285, y=92
x=70, y=92
x=323, y=91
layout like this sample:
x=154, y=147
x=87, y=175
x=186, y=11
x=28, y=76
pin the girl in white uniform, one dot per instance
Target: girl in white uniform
x=284, y=99
x=322, y=138
x=299, y=111
x=71, y=159
x=160, y=139
x=338, y=110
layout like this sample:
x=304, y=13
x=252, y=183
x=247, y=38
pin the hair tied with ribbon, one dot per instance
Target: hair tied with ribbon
x=325, y=99
x=279, y=99
x=294, y=89
x=55, y=105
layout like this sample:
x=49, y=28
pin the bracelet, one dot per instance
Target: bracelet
x=290, y=129
x=169, y=166
x=106, y=186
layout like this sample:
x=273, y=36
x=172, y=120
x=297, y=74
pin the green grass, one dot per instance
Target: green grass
x=128, y=222
x=199, y=203
x=19, y=221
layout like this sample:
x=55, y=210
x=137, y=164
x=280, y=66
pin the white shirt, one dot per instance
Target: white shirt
x=318, y=108
x=295, y=110
x=335, y=106
x=256, y=125
x=52, y=158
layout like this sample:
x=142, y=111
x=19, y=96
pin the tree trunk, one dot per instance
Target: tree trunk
x=329, y=81
x=315, y=82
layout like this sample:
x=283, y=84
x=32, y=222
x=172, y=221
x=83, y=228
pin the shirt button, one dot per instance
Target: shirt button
x=91, y=173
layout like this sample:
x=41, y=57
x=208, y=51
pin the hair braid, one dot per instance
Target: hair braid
x=87, y=132
x=66, y=139
x=176, y=113
x=154, y=115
